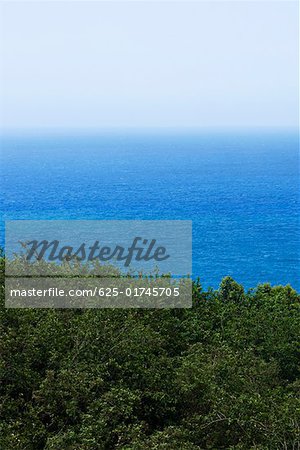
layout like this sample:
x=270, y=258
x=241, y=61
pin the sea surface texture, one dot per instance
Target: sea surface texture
x=240, y=189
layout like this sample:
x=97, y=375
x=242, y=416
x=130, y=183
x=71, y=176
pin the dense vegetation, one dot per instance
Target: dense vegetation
x=222, y=375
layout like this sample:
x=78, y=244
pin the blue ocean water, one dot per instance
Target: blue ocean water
x=240, y=189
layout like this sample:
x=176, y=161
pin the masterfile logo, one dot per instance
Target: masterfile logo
x=135, y=246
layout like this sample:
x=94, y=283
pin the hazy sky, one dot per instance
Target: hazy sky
x=138, y=64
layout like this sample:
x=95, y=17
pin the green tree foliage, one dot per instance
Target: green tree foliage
x=221, y=375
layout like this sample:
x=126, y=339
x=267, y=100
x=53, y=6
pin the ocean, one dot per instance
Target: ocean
x=240, y=189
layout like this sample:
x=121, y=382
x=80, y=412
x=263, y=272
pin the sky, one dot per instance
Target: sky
x=79, y=65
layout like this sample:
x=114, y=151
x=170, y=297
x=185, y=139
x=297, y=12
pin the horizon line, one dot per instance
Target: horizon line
x=138, y=129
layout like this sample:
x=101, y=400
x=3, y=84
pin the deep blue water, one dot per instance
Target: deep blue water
x=240, y=189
